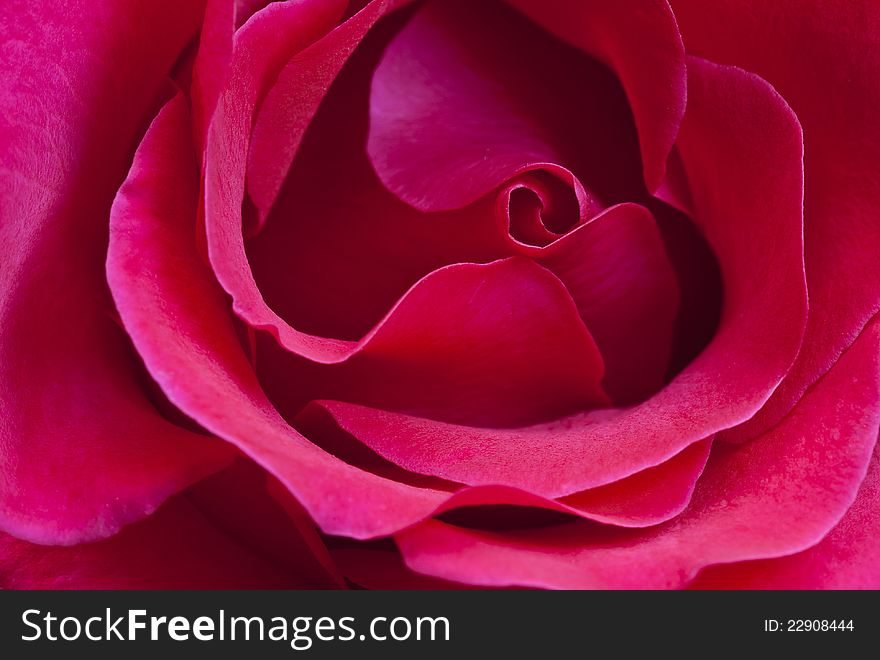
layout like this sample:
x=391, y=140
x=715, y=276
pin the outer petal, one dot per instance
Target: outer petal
x=409, y=448
x=70, y=397
x=775, y=496
x=178, y=319
x=175, y=548
x=847, y=558
x=639, y=40
x=823, y=58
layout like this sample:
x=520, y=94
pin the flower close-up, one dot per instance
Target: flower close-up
x=438, y=294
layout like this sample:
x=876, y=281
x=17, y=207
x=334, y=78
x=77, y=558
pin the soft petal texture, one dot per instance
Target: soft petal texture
x=639, y=40
x=212, y=62
x=823, y=58
x=228, y=142
x=71, y=402
x=478, y=107
x=175, y=548
x=473, y=456
x=847, y=558
x=777, y=495
x=157, y=279
x=338, y=250
x=619, y=276
x=465, y=344
x=292, y=101
x=417, y=452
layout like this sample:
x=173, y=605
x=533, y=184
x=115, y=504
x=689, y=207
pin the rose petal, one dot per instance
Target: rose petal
x=339, y=250
x=243, y=501
x=639, y=40
x=177, y=318
x=619, y=276
x=292, y=101
x=212, y=62
x=383, y=569
x=847, y=558
x=175, y=548
x=72, y=403
x=512, y=457
x=466, y=344
x=228, y=142
x=453, y=453
x=823, y=58
x=477, y=107
x=179, y=321
x=777, y=495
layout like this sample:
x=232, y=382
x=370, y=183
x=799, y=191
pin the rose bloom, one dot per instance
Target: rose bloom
x=386, y=294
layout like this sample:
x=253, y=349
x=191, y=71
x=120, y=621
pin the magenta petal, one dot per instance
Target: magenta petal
x=292, y=101
x=243, y=502
x=551, y=460
x=824, y=62
x=179, y=321
x=382, y=569
x=175, y=548
x=847, y=558
x=776, y=495
x=477, y=95
x=82, y=450
x=639, y=40
x=211, y=66
x=467, y=343
x=619, y=276
x=733, y=119
x=339, y=250
x=649, y=497
x=262, y=46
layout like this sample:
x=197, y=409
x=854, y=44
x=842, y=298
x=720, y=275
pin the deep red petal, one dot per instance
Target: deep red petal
x=619, y=276
x=478, y=105
x=228, y=144
x=639, y=40
x=823, y=58
x=82, y=450
x=777, y=495
x=179, y=321
x=175, y=548
x=246, y=503
x=734, y=118
x=847, y=558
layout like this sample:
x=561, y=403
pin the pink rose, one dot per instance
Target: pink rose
x=551, y=293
